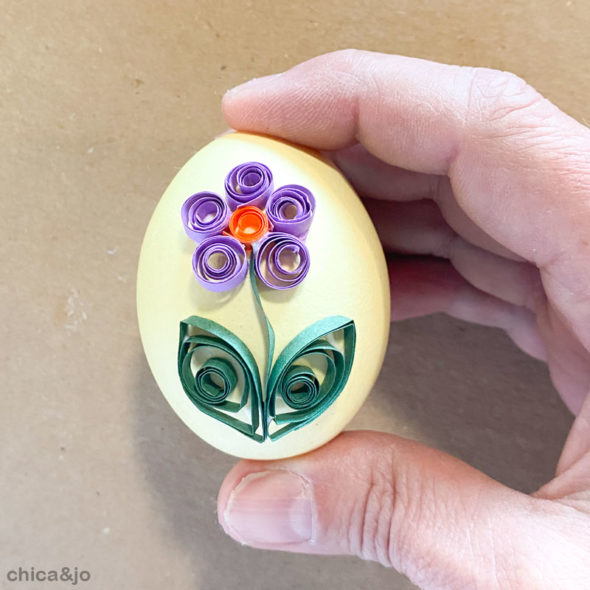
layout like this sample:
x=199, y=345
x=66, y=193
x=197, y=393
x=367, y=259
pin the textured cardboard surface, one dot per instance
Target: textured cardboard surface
x=101, y=104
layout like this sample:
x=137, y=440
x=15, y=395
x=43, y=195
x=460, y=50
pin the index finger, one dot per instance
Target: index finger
x=519, y=166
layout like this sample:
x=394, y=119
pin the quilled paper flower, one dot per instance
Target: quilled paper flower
x=254, y=227
x=251, y=217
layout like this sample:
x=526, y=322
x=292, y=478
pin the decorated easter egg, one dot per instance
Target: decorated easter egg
x=262, y=297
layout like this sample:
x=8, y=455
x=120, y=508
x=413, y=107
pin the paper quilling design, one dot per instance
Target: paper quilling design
x=257, y=230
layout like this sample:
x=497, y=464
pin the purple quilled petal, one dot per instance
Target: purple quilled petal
x=250, y=183
x=204, y=215
x=290, y=209
x=274, y=256
x=220, y=263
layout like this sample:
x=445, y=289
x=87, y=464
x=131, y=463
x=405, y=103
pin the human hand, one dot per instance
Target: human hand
x=474, y=167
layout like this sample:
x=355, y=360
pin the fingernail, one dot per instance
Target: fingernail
x=270, y=508
x=253, y=82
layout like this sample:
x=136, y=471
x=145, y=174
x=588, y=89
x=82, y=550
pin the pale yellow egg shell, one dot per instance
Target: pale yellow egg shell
x=347, y=276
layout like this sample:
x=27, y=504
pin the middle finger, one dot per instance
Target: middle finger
x=417, y=227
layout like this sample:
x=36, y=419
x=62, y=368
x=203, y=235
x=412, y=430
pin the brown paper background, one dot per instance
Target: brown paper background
x=101, y=103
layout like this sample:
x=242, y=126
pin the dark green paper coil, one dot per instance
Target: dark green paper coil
x=297, y=384
x=217, y=378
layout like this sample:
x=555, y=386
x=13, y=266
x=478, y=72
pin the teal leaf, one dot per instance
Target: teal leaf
x=309, y=374
x=222, y=379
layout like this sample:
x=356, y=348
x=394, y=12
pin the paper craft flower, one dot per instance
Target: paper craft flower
x=251, y=220
x=261, y=228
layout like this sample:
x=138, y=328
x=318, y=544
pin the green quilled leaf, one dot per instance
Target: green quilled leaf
x=214, y=382
x=297, y=384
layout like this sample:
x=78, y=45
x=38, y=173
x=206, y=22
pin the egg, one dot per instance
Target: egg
x=341, y=304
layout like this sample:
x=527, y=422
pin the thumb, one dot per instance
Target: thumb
x=384, y=498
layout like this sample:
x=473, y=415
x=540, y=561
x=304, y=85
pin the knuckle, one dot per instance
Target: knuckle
x=328, y=64
x=376, y=530
x=504, y=99
x=371, y=537
x=344, y=57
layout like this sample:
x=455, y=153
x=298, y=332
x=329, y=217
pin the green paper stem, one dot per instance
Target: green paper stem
x=270, y=333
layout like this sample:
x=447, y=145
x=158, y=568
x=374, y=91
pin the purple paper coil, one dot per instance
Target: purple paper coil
x=290, y=209
x=220, y=263
x=282, y=260
x=248, y=184
x=204, y=215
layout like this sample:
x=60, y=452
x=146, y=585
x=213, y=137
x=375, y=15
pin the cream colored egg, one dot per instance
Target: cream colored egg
x=347, y=277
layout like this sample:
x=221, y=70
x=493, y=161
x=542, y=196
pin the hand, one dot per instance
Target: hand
x=474, y=167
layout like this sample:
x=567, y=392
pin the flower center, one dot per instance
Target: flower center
x=248, y=224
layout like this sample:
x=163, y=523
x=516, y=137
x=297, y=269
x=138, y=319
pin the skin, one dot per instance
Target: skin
x=480, y=189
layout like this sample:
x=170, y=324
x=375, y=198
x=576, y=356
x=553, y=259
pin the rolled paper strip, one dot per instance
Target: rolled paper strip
x=220, y=263
x=248, y=184
x=213, y=386
x=330, y=342
x=290, y=209
x=204, y=215
x=248, y=224
x=281, y=260
x=214, y=381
